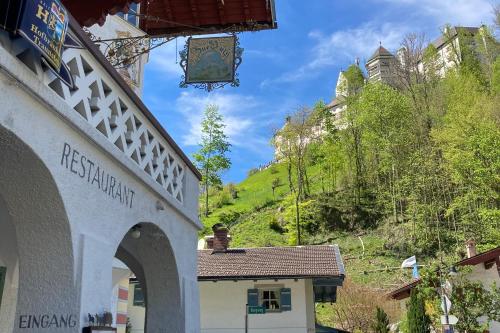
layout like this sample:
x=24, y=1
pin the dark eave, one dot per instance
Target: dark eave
x=337, y=280
x=195, y=17
x=404, y=291
x=89, y=12
x=490, y=255
x=485, y=257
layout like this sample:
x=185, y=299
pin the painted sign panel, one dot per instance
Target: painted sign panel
x=44, y=23
x=256, y=310
x=211, y=60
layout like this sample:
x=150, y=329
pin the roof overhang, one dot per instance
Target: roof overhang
x=491, y=255
x=332, y=280
x=195, y=17
x=182, y=17
x=404, y=291
x=90, y=12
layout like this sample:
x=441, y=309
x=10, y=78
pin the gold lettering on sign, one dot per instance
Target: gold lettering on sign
x=42, y=12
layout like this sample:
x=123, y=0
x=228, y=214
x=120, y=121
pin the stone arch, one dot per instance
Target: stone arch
x=33, y=208
x=152, y=260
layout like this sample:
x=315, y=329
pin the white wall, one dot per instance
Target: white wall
x=116, y=27
x=78, y=214
x=487, y=277
x=223, y=308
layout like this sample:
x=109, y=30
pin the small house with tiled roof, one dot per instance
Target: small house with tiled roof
x=484, y=268
x=280, y=284
x=265, y=289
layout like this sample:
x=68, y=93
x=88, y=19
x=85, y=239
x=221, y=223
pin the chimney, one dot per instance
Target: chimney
x=470, y=245
x=221, y=239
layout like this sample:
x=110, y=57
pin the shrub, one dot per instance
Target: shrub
x=222, y=199
x=381, y=321
x=275, y=225
x=418, y=320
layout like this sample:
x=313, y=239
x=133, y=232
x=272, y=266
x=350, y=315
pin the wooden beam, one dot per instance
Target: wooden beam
x=168, y=10
x=194, y=12
x=246, y=10
x=221, y=11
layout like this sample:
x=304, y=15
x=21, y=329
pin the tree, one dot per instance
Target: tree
x=418, y=320
x=211, y=159
x=381, y=321
x=293, y=141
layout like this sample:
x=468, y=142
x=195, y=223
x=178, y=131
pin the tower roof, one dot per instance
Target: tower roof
x=380, y=52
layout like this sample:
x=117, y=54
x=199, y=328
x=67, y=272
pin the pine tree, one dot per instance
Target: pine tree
x=381, y=322
x=211, y=159
x=418, y=320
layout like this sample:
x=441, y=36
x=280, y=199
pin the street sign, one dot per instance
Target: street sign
x=256, y=310
x=448, y=329
x=452, y=320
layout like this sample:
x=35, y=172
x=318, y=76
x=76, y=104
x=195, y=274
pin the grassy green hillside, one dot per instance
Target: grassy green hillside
x=255, y=219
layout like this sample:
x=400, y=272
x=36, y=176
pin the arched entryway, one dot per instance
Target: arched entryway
x=146, y=250
x=39, y=289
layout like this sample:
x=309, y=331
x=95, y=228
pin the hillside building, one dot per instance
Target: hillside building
x=268, y=290
x=381, y=66
x=484, y=268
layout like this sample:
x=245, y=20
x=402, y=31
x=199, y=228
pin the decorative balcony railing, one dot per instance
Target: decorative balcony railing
x=104, y=102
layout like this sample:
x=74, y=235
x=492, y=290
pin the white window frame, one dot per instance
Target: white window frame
x=276, y=288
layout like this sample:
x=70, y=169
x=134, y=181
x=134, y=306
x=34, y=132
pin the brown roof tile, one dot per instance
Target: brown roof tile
x=271, y=262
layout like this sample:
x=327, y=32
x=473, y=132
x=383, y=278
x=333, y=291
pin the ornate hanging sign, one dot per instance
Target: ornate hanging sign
x=211, y=63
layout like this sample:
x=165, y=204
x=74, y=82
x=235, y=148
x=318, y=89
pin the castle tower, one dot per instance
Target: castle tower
x=380, y=66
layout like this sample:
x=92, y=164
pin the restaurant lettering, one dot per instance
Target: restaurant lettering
x=95, y=175
x=47, y=321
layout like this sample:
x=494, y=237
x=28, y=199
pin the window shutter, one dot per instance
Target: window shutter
x=138, y=295
x=253, y=297
x=3, y=271
x=286, y=299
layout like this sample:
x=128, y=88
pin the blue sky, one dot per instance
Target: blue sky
x=293, y=66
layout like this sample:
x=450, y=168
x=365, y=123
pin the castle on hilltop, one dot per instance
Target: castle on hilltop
x=384, y=66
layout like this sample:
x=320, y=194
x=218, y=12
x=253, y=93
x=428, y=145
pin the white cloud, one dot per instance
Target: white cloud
x=343, y=46
x=239, y=112
x=455, y=12
x=164, y=58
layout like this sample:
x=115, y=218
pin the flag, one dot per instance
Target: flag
x=409, y=263
x=415, y=271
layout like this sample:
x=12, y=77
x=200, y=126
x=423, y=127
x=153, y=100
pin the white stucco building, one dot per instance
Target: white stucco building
x=92, y=187
x=79, y=169
x=284, y=282
x=483, y=268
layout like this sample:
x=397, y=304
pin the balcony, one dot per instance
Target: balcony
x=109, y=109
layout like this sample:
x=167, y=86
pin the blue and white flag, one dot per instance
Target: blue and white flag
x=409, y=263
x=415, y=272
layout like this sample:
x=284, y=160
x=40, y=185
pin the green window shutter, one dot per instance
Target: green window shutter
x=3, y=271
x=253, y=297
x=286, y=299
x=138, y=295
